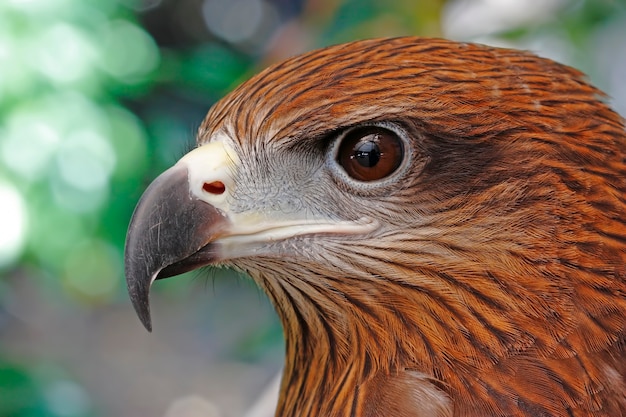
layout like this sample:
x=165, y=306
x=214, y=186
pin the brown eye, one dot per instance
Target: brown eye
x=370, y=153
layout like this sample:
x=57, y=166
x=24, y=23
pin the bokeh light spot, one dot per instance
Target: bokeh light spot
x=67, y=399
x=192, y=406
x=242, y=22
x=53, y=230
x=13, y=222
x=234, y=21
x=28, y=145
x=37, y=6
x=86, y=160
x=6, y=53
x=129, y=141
x=129, y=52
x=36, y=132
x=464, y=19
x=63, y=53
x=92, y=271
x=75, y=200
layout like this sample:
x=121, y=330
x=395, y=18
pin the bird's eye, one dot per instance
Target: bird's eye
x=370, y=153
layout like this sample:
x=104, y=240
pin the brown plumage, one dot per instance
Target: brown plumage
x=482, y=274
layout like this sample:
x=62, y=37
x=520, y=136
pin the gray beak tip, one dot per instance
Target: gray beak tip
x=144, y=316
x=139, y=296
x=147, y=323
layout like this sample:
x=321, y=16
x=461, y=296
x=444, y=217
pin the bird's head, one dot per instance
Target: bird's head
x=427, y=217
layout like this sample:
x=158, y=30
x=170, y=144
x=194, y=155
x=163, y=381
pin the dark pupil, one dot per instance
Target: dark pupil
x=367, y=153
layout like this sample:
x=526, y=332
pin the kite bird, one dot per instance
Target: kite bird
x=440, y=226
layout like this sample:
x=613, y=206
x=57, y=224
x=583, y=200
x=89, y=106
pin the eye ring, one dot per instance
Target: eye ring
x=370, y=155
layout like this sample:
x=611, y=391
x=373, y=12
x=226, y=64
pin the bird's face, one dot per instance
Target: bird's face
x=409, y=206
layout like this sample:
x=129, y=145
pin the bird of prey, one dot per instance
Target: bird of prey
x=440, y=226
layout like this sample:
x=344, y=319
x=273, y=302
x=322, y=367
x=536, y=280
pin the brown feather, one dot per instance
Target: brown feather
x=498, y=285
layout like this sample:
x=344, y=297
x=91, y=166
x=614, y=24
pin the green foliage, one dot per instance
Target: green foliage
x=37, y=391
x=66, y=142
x=21, y=396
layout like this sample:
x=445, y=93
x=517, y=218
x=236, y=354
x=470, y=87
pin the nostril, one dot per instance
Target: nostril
x=215, y=187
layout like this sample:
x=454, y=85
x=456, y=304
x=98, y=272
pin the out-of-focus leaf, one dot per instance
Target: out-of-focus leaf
x=19, y=394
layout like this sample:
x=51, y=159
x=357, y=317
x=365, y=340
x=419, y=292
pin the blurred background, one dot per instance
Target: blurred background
x=97, y=97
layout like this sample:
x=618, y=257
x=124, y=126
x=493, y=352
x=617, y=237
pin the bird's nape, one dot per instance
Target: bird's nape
x=440, y=226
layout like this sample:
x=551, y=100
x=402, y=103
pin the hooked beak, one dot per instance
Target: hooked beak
x=184, y=221
x=173, y=226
